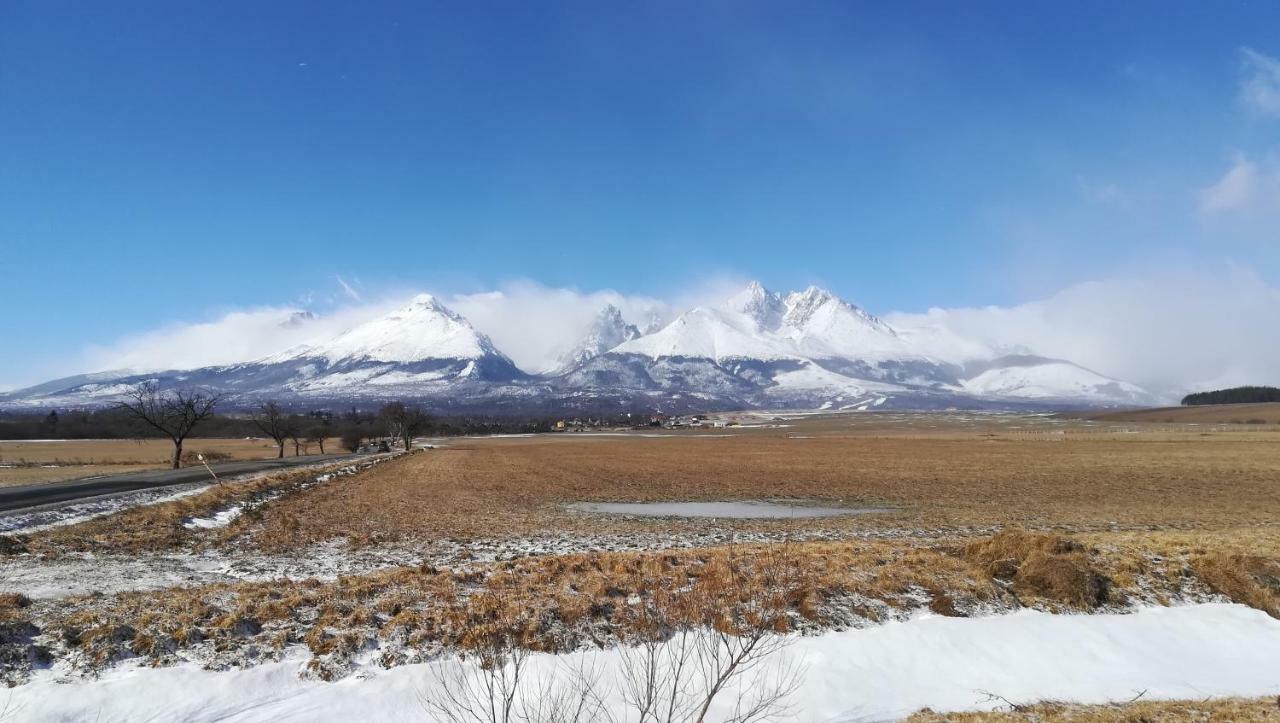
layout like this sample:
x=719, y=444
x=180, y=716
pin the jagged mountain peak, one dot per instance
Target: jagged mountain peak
x=759, y=304
x=609, y=315
x=428, y=304
x=809, y=307
x=801, y=305
x=607, y=330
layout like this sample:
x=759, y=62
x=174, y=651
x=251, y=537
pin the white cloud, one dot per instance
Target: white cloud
x=1260, y=82
x=233, y=337
x=1169, y=333
x=534, y=324
x=1104, y=193
x=1248, y=187
x=1237, y=189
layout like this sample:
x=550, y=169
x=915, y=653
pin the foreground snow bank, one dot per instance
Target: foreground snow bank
x=859, y=675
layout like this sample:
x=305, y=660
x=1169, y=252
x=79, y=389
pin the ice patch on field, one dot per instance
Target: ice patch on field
x=880, y=673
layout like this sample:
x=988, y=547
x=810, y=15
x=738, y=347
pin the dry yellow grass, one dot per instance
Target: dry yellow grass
x=38, y=474
x=1224, y=710
x=556, y=603
x=543, y=603
x=1039, y=565
x=157, y=526
x=1251, y=579
x=1249, y=414
x=128, y=451
x=937, y=478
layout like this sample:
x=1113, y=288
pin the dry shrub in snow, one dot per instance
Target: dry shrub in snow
x=1041, y=565
x=16, y=634
x=1253, y=580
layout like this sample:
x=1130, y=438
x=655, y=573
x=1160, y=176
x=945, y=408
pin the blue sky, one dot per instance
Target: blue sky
x=171, y=161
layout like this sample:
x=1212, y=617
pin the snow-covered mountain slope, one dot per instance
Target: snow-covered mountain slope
x=423, y=329
x=96, y=389
x=421, y=350
x=820, y=324
x=607, y=331
x=811, y=345
x=1029, y=377
x=812, y=328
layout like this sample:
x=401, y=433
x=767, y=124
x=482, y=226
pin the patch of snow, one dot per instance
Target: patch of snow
x=220, y=519
x=812, y=376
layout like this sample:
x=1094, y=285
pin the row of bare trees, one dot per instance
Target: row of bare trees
x=176, y=413
x=279, y=425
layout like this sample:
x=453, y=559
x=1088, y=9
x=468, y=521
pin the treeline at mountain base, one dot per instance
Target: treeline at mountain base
x=352, y=424
x=1235, y=395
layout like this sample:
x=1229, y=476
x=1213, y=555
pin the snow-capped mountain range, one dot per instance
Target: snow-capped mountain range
x=758, y=349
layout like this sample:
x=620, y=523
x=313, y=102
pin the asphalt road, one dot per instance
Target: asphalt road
x=24, y=496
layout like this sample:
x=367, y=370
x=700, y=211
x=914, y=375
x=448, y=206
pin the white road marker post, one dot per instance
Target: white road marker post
x=206, y=466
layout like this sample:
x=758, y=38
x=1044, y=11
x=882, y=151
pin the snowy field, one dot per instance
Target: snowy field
x=880, y=673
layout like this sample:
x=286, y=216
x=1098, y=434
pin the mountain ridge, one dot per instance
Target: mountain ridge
x=758, y=348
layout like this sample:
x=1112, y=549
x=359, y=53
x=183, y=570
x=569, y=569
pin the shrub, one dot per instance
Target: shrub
x=1251, y=580
x=1040, y=565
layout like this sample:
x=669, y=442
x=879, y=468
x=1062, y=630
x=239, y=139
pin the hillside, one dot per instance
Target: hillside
x=1265, y=413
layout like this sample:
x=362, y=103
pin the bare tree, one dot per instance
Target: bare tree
x=293, y=430
x=483, y=693
x=272, y=421
x=317, y=434
x=704, y=645
x=352, y=438
x=174, y=413
x=404, y=422
x=498, y=688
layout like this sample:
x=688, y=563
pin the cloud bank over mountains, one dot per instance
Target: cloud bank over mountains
x=1169, y=333
x=1166, y=332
